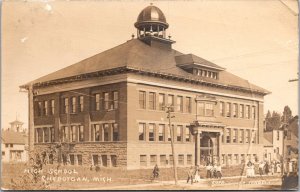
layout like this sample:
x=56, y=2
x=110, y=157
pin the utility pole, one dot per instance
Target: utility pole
x=168, y=111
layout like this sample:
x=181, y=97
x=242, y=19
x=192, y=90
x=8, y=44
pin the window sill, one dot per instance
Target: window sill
x=103, y=110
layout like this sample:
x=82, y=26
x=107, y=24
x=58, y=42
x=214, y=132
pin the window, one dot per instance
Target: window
x=168, y=132
x=242, y=158
x=208, y=73
x=247, y=136
x=235, y=110
x=46, y=135
x=236, y=158
x=79, y=159
x=39, y=109
x=95, y=160
x=106, y=101
x=163, y=160
x=247, y=112
x=72, y=159
x=73, y=133
x=64, y=158
x=6, y=145
x=73, y=105
x=80, y=107
x=171, y=101
x=97, y=102
x=46, y=110
x=142, y=99
x=201, y=111
x=189, y=159
x=188, y=105
x=11, y=145
x=52, y=134
x=234, y=137
x=241, y=137
x=143, y=160
x=97, y=132
x=223, y=159
x=161, y=101
x=115, y=100
x=151, y=132
x=253, y=136
x=228, y=110
x=241, y=111
x=161, y=129
x=228, y=135
x=253, y=112
x=81, y=133
x=222, y=106
x=106, y=132
x=248, y=157
x=142, y=131
x=171, y=160
x=180, y=103
x=65, y=134
x=104, y=160
x=152, y=100
x=229, y=158
x=179, y=133
x=187, y=134
x=180, y=159
x=113, y=159
x=51, y=112
x=115, y=132
x=255, y=157
x=153, y=160
x=209, y=109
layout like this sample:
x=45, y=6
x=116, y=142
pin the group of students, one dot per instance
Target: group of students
x=264, y=168
x=212, y=171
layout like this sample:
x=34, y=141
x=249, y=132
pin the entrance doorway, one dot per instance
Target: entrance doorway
x=208, y=149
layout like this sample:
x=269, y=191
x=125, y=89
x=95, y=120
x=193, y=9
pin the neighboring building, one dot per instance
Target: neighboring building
x=291, y=141
x=273, y=147
x=284, y=142
x=14, y=143
x=109, y=109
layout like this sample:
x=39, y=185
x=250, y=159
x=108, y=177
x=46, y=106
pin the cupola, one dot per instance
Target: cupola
x=151, y=25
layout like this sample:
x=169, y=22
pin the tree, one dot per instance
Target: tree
x=268, y=115
x=273, y=122
x=287, y=115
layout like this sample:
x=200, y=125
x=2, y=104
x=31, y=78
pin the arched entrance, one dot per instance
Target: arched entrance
x=206, y=150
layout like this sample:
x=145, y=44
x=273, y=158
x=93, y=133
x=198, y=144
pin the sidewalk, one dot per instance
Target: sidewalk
x=204, y=183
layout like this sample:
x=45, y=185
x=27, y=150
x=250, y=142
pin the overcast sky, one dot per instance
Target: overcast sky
x=256, y=40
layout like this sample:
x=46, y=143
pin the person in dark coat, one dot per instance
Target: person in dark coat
x=155, y=172
x=266, y=168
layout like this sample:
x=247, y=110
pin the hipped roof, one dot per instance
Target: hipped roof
x=139, y=55
x=13, y=137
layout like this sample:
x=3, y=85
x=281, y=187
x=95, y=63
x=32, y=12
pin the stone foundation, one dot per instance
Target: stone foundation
x=87, y=150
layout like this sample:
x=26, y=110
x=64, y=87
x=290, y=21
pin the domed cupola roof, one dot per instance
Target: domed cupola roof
x=151, y=15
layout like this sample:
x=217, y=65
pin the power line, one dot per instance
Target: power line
x=290, y=10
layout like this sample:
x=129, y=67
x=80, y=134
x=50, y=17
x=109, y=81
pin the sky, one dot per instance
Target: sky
x=256, y=40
